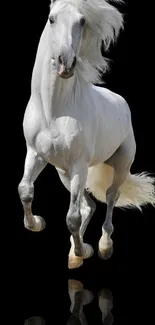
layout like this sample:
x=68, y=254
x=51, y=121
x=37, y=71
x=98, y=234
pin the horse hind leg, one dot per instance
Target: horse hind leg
x=121, y=162
x=87, y=210
x=34, y=164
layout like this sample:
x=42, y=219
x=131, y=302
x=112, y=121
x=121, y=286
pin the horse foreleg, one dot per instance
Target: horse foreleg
x=78, y=176
x=34, y=164
x=87, y=210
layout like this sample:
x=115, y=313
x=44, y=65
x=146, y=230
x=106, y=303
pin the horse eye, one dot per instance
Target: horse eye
x=82, y=21
x=51, y=20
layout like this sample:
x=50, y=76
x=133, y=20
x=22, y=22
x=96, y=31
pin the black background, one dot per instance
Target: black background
x=41, y=256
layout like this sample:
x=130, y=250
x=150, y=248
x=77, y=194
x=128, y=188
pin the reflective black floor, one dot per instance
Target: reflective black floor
x=119, y=291
x=82, y=308
x=111, y=292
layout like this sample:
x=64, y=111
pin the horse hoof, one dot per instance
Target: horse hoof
x=38, y=225
x=105, y=254
x=88, y=297
x=75, y=285
x=74, y=261
x=105, y=294
x=88, y=251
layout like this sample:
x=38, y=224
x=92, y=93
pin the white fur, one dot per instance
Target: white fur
x=104, y=23
x=76, y=126
x=74, y=107
x=136, y=191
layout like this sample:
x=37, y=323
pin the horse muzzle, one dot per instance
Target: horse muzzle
x=63, y=73
x=66, y=66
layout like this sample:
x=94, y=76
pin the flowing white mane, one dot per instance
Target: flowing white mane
x=103, y=24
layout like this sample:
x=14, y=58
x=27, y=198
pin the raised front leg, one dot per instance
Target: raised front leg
x=34, y=164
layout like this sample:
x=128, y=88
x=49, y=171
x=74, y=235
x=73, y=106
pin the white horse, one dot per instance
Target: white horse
x=85, y=131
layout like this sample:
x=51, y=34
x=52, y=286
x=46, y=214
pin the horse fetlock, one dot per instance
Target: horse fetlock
x=78, y=251
x=107, y=229
x=85, y=251
x=74, y=223
x=26, y=192
x=36, y=224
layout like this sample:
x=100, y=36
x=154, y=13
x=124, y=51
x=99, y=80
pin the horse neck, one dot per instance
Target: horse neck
x=62, y=91
x=62, y=94
x=57, y=95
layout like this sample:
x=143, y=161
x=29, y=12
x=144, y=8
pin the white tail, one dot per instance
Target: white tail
x=137, y=190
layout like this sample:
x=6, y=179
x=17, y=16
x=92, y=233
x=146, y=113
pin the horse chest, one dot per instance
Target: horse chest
x=57, y=147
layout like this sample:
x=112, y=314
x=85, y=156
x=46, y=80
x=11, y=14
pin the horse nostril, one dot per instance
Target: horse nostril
x=60, y=59
x=74, y=62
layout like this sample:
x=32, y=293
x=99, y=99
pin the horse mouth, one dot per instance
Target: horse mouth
x=63, y=73
x=66, y=76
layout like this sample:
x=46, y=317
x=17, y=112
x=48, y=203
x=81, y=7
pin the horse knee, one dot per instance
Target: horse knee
x=26, y=191
x=74, y=221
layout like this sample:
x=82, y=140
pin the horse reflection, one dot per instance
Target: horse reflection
x=35, y=321
x=80, y=297
x=106, y=305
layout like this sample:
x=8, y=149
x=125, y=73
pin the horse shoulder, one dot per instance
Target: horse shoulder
x=34, y=119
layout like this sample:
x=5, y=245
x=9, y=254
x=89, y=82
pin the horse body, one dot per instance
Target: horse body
x=71, y=122
x=84, y=130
